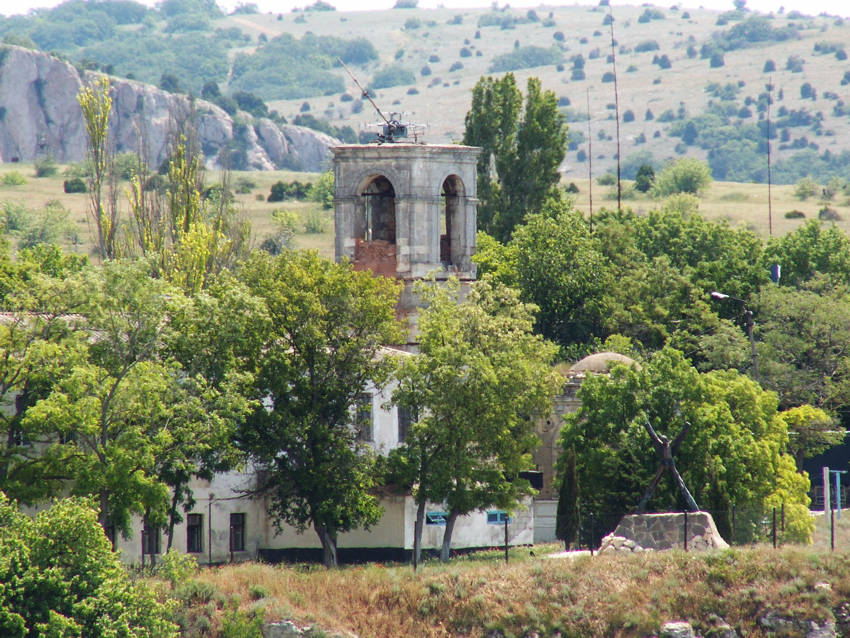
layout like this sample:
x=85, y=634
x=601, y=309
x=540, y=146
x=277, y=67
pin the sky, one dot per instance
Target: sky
x=834, y=7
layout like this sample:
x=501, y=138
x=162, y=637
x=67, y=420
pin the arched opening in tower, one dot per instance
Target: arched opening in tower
x=375, y=234
x=450, y=220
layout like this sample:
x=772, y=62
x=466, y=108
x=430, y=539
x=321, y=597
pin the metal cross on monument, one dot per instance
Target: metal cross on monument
x=665, y=451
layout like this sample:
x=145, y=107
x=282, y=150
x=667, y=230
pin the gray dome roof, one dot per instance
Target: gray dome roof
x=600, y=363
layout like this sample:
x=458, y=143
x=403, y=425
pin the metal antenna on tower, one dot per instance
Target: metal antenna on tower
x=392, y=127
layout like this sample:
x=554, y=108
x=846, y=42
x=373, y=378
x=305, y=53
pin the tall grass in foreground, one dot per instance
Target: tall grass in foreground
x=604, y=595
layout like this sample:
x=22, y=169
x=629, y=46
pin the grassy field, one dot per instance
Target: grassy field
x=605, y=595
x=737, y=203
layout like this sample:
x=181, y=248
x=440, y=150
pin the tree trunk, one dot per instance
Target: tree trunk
x=172, y=516
x=446, y=549
x=417, y=534
x=328, y=538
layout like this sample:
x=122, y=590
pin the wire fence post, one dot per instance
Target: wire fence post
x=685, y=520
x=506, y=539
x=592, y=532
x=831, y=529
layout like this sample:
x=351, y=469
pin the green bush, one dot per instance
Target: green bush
x=74, y=185
x=524, y=58
x=14, y=178
x=795, y=214
x=61, y=578
x=46, y=167
x=608, y=179
x=392, y=76
x=323, y=190
x=686, y=175
x=177, y=567
x=806, y=187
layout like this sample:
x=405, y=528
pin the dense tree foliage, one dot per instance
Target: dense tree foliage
x=734, y=452
x=479, y=380
x=320, y=353
x=61, y=578
x=524, y=143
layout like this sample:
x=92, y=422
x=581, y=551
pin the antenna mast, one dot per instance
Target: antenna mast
x=364, y=92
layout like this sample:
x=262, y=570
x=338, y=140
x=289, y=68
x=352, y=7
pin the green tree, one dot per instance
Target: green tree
x=556, y=264
x=645, y=178
x=126, y=417
x=811, y=250
x=734, y=453
x=522, y=148
x=479, y=379
x=61, y=578
x=811, y=431
x=322, y=191
x=320, y=351
x=96, y=104
x=802, y=345
x=686, y=175
x=567, y=517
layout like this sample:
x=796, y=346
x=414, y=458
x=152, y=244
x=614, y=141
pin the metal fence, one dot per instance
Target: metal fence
x=737, y=526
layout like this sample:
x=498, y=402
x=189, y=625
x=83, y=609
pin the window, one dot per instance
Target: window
x=150, y=539
x=497, y=517
x=405, y=420
x=363, y=416
x=435, y=518
x=237, y=532
x=195, y=533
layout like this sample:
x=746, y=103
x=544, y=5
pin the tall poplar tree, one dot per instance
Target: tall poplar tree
x=522, y=147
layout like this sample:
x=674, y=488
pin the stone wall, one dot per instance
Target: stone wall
x=645, y=532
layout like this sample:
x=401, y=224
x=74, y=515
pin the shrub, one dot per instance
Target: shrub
x=664, y=62
x=648, y=116
x=806, y=187
x=687, y=175
x=559, y=36
x=646, y=45
x=795, y=214
x=629, y=116
x=322, y=191
x=14, y=178
x=645, y=178
x=828, y=214
x=608, y=179
x=465, y=53
x=46, y=167
x=456, y=66
x=524, y=58
x=608, y=76
x=716, y=60
x=794, y=63
x=577, y=74
x=681, y=203
x=412, y=23
x=769, y=66
x=425, y=71
x=74, y=185
x=392, y=76
x=571, y=188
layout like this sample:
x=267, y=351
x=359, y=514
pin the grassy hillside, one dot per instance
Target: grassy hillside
x=666, y=76
x=738, y=203
x=604, y=595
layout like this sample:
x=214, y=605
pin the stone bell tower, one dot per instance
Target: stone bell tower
x=406, y=211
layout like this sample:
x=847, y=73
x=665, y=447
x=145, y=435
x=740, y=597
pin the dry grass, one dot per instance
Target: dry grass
x=608, y=595
x=36, y=192
x=737, y=203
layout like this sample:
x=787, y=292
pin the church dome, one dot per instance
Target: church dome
x=599, y=363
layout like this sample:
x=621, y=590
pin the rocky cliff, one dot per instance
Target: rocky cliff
x=39, y=115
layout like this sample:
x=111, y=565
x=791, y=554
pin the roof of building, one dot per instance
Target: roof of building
x=599, y=363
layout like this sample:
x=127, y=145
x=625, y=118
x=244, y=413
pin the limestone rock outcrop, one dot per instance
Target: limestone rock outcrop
x=39, y=115
x=645, y=532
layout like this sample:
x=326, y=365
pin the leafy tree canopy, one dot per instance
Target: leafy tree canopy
x=734, y=452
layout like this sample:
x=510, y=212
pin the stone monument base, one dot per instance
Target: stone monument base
x=647, y=532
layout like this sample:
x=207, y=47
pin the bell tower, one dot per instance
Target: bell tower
x=406, y=211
